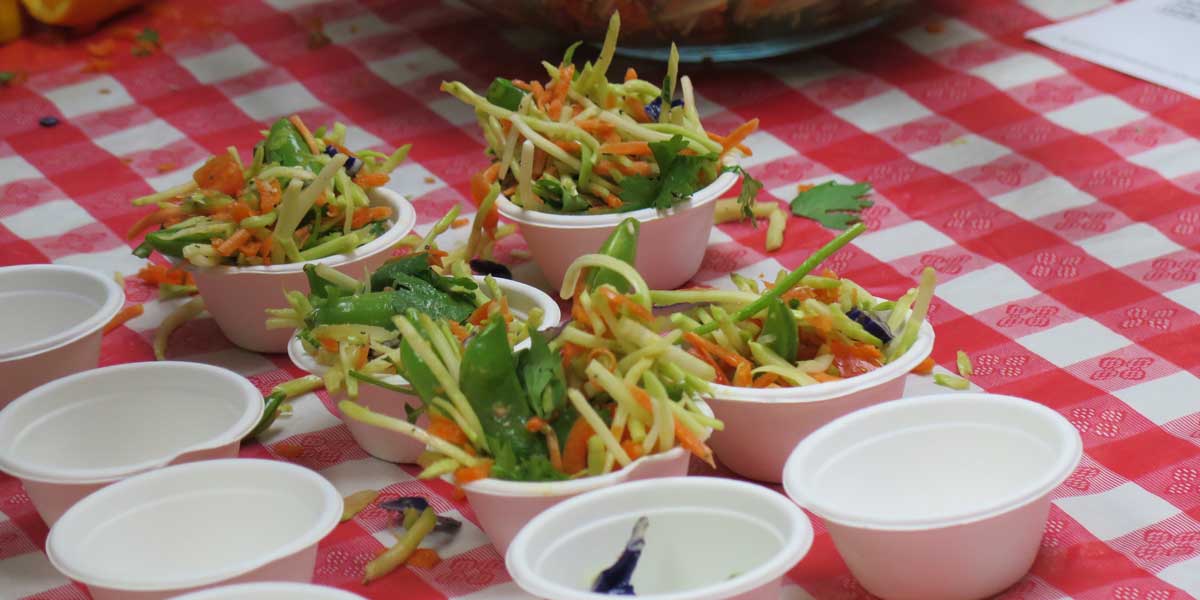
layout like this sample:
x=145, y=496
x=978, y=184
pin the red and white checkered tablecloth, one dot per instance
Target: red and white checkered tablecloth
x=1057, y=200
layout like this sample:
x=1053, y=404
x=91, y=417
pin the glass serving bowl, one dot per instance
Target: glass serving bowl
x=718, y=30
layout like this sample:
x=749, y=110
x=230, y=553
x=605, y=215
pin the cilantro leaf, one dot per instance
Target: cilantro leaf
x=750, y=189
x=148, y=35
x=834, y=205
x=678, y=176
x=7, y=76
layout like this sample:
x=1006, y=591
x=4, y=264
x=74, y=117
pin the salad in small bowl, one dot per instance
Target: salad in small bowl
x=579, y=154
x=794, y=354
x=246, y=230
x=605, y=399
x=345, y=333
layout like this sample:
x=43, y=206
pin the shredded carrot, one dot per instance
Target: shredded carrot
x=466, y=475
x=235, y=241
x=824, y=377
x=632, y=448
x=630, y=74
x=250, y=248
x=160, y=274
x=304, y=133
x=925, y=367
x=360, y=357
x=637, y=168
x=264, y=251
x=539, y=163
x=240, y=210
x=704, y=356
x=460, y=223
x=157, y=217
x=604, y=356
x=569, y=352
x=574, y=453
x=683, y=435
x=765, y=380
x=736, y=136
x=504, y=310
x=123, y=315
x=480, y=314
x=637, y=110
x=627, y=148
x=520, y=84
x=595, y=126
x=329, y=344
x=720, y=139
x=370, y=180
x=822, y=323
x=612, y=201
x=269, y=194
x=728, y=357
x=569, y=146
x=742, y=376
x=100, y=48
x=534, y=424
x=447, y=429
x=301, y=235
x=424, y=558
x=459, y=331
x=610, y=101
x=616, y=301
x=364, y=215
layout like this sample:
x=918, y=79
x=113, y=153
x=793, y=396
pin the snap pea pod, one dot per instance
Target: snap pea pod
x=791, y=279
x=395, y=556
x=504, y=94
x=172, y=240
x=284, y=391
x=287, y=147
x=490, y=382
x=378, y=308
x=779, y=331
x=621, y=244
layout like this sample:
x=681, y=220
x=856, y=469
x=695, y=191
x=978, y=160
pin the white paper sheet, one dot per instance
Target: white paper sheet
x=1155, y=40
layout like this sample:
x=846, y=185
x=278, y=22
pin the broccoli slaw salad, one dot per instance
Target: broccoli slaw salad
x=303, y=197
x=580, y=144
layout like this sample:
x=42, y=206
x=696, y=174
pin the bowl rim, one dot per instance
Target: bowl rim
x=114, y=299
x=709, y=193
x=307, y=363
x=226, y=592
x=252, y=412
x=833, y=390
x=405, y=219
x=793, y=478
x=794, y=548
x=328, y=519
x=543, y=489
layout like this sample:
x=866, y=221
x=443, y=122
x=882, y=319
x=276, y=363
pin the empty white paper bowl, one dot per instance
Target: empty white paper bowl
x=670, y=248
x=936, y=498
x=271, y=591
x=73, y=436
x=237, y=297
x=708, y=539
x=192, y=526
x=51, y=321
x=504, y=507
x=763, y=426
x=389, y=445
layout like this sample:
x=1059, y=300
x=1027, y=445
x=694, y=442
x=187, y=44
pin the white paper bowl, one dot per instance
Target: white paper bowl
x=504, y=507
x=708, y=539
x=271, y=591
x=237, y=297
x=762, y=426
x=52, y=318
x=73, y=436
x=936, y=498
x=389, y=445
x=670, y=247
x=192, y=526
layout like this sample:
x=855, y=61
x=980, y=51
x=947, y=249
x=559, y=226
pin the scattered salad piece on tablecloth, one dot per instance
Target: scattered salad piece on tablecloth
x=303, y=197
x=125, y=314
x=280, y=394
x=356, y=502
x=173, y=321
x=965, y=368
x=48, y=121
x=834, y=205
x=580, y=144
x=953, y=382
x=11, y=78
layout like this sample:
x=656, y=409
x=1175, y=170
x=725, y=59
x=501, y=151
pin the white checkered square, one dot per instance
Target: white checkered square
x=809, y=71
x=1098, y=113
x=86, y=97
x=1128, y=245
x=1017, y=70
x=984, y=288
x=505, y=591
x=1184, y=575
x=277, y=100
x=883, y=111
x=1188, y=296
x=914, y=237
x=28, y=574
x=1073, y=342
x=1171, y=160
x=949, y=33
x=147, y=136
x=358, y=138
x=237, y=360
x=401, y=69
x=44, y=220
x=15, y=168
x=118, y=259
x=366, y=474
x=231, y=61
x=1118, y=511
x=1164, y=399
x=1057, y=10
x=961, y=153
x=1043, y=197
x=765, y=148
x=308, y=414
x=453, y=110
x=357, y=27
x=413, y=181
x=174, y=178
